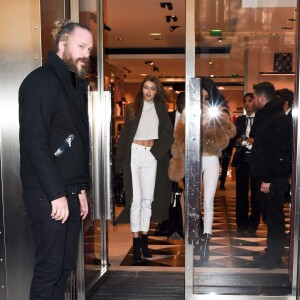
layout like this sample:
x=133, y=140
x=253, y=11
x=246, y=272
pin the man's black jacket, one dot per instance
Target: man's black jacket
x=270, y=154
x=53, y=119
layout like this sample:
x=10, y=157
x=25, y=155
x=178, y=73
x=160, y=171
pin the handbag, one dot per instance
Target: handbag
x=175, y=229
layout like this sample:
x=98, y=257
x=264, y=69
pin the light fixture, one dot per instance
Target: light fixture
x=173, y=17
x=149, y=62
x=168, y=4
x=172, y=28
x=106, y=27
x=155, y=69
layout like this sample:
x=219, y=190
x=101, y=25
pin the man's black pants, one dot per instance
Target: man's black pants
x=56, y=245
x=272, y=205
x=243, y=180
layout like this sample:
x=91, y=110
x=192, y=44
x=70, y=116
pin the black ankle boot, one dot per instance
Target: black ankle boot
x=136, y=250
x=144, y=246
x=205, y=247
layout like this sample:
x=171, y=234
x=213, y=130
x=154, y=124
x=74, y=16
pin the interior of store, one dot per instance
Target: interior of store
x=238, y=44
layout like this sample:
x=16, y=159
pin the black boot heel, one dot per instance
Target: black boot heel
x=144, y=245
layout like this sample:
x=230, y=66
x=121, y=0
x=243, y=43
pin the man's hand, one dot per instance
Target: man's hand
x=84, y=208
x=265, y=187
x=60, y=209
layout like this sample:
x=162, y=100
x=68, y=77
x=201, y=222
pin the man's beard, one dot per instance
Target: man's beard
x=72, y=64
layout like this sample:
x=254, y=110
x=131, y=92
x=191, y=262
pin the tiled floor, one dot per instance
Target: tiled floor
x=230, y=253
x=227, y=248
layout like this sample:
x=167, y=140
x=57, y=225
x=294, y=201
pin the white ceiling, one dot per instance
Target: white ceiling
x=132, y=21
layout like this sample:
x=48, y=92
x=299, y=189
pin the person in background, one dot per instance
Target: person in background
x=270, y=164
x=143, y=157
x=246, y=224
x=225, y=160
x=54, y=149
x=287, y=98
x=216, y=131
x=175, y=116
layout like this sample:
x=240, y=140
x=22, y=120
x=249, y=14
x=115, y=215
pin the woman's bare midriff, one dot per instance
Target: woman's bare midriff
x=145, y=143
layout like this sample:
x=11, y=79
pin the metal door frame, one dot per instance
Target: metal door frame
x=192, y=119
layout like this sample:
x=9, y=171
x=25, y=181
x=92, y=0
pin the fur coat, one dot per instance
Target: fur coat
x=216, y=133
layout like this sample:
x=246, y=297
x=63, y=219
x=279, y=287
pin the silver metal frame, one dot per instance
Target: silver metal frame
x=17, y=253
x=296, y=169
x=190, y=73
x=100, y=119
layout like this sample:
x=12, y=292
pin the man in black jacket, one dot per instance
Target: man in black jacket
x=245, y=224
x=269, y=163
x=54, y=148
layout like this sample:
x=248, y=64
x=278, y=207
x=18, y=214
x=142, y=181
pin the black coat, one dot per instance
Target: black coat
x=160, y=150
x=270, y=154
x=51, y=109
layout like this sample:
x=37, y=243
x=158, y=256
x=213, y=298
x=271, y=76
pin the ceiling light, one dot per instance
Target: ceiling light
x=168, y=4
x=106, y=27
x=155, y=33
x=173, y=17
x=119, y=39
x=149, y=62
x=172, y=28
x=287, y=27
x=155, y=69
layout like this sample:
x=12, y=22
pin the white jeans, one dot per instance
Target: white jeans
x=143, y=172
x=210, y=175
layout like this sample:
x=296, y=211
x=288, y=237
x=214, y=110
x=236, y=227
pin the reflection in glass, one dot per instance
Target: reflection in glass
x=238, y=46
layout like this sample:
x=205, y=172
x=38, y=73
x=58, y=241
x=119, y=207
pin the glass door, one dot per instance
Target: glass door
x=93, y=260
x=237, y=44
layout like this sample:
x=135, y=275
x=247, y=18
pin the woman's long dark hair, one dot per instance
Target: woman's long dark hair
x=161, y=96
x=215, y=97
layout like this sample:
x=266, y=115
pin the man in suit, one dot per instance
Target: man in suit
x=270, y=164
x=287, y=98
x=162, y=228
x=246, y=224
x=54, y=148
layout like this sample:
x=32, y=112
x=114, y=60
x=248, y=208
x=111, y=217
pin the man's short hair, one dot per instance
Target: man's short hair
x=266, y=89
x=180, y=102
x=286, y=95
x=248, y=95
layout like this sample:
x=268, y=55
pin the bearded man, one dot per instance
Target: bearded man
x=54, y=149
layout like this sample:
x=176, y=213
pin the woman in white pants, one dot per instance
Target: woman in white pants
x=142, y=155
x=216, y=131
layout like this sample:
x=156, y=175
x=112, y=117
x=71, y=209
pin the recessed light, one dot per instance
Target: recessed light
x=119, y=39
x=155, y=33
x=287, y=28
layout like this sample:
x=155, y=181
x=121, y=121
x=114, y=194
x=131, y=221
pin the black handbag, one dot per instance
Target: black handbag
x=175, y=228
